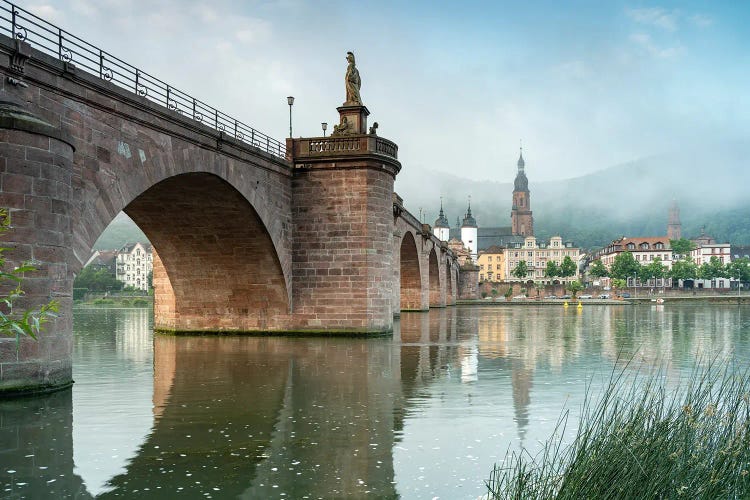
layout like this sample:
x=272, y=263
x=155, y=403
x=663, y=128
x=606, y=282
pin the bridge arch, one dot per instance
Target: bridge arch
x=411, y=275
x=215, y=264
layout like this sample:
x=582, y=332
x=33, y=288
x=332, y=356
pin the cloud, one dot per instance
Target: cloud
x=654, y=16
x=645, y=41
x=701, y=20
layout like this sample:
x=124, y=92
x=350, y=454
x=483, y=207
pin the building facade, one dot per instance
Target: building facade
x=702, y=254
x=536, y=254
x=644, y=250
x=491, y=264
x=134, y=263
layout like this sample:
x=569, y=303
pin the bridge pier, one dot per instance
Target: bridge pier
x=37, y=163
x=342, y=192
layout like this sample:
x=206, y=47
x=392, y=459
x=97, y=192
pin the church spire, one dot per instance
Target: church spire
x=521, y=163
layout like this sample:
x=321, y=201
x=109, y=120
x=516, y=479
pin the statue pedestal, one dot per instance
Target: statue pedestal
x=356, y=119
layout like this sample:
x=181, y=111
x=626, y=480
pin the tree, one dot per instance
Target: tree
x=150, y=279
x=97, y=280
x=681, y=247
x=619, y=283
x=568, y=268
x=740, y=268
x=712, y=269
x=574, y=287
x=552, y=270
x=624, y=266
x=597, y=269
x=683, y=270
x=19, y=323
x=654, y=269
x=521, y=270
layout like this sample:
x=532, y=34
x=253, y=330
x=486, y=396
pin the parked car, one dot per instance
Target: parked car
x=566, y=297
x=551, y=297
x=519, y=297
x=604, y=296
x=625, y=295
x=585, y=297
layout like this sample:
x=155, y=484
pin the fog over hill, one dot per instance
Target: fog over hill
x=710, y=185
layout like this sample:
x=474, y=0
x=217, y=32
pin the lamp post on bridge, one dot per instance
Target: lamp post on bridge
x=324, y=125
x=290, y=101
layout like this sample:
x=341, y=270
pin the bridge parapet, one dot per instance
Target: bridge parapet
x=327, y=147
x=26, y=30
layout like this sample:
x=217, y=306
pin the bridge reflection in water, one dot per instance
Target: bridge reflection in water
x=256, y=417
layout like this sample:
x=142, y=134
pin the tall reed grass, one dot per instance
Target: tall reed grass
x=645, y=438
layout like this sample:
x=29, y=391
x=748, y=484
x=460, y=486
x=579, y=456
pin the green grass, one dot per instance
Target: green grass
x=642, y=439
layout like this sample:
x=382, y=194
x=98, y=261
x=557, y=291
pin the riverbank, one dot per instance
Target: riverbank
x=133, y=301
x=650, y=300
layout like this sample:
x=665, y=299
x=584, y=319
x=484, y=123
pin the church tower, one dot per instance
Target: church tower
x=441, y=229
x=674, y=226
x=469, y=233
x=521, y=219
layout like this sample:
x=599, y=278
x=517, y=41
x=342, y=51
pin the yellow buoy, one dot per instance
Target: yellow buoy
x=565, y=304
x=580, y=305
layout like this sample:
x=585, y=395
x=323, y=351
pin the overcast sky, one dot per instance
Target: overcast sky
x=585, y=85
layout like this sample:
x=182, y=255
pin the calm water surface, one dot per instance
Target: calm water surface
x=423, y=414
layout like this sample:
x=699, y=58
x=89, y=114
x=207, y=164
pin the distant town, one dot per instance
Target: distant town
x=513, y=255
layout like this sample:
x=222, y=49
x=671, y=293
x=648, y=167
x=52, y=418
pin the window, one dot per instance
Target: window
x=481, y=267
x=631, y=246
x=489, y=258
x=497, y=267
x=530, y=254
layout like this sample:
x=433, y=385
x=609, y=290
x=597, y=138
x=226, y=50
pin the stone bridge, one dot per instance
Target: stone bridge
x=250, y=235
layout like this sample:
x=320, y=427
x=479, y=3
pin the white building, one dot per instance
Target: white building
x=469, y=234
x=703, y=254
x=134, y=263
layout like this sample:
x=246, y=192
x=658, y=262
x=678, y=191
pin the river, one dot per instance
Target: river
x=422, y=414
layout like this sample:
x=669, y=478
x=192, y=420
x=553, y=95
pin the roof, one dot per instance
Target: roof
x=128, y=247
x=494, y=249
x=442, y=220
x=469, y=220
x=102, y=258
x=521, y=183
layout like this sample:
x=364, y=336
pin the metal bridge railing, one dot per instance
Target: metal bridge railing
x=20, y=24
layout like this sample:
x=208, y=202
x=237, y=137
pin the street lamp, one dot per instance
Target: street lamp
x=290, y=101
x=325, y=126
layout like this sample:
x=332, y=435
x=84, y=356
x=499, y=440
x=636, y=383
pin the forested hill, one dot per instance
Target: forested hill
x=122, y=230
